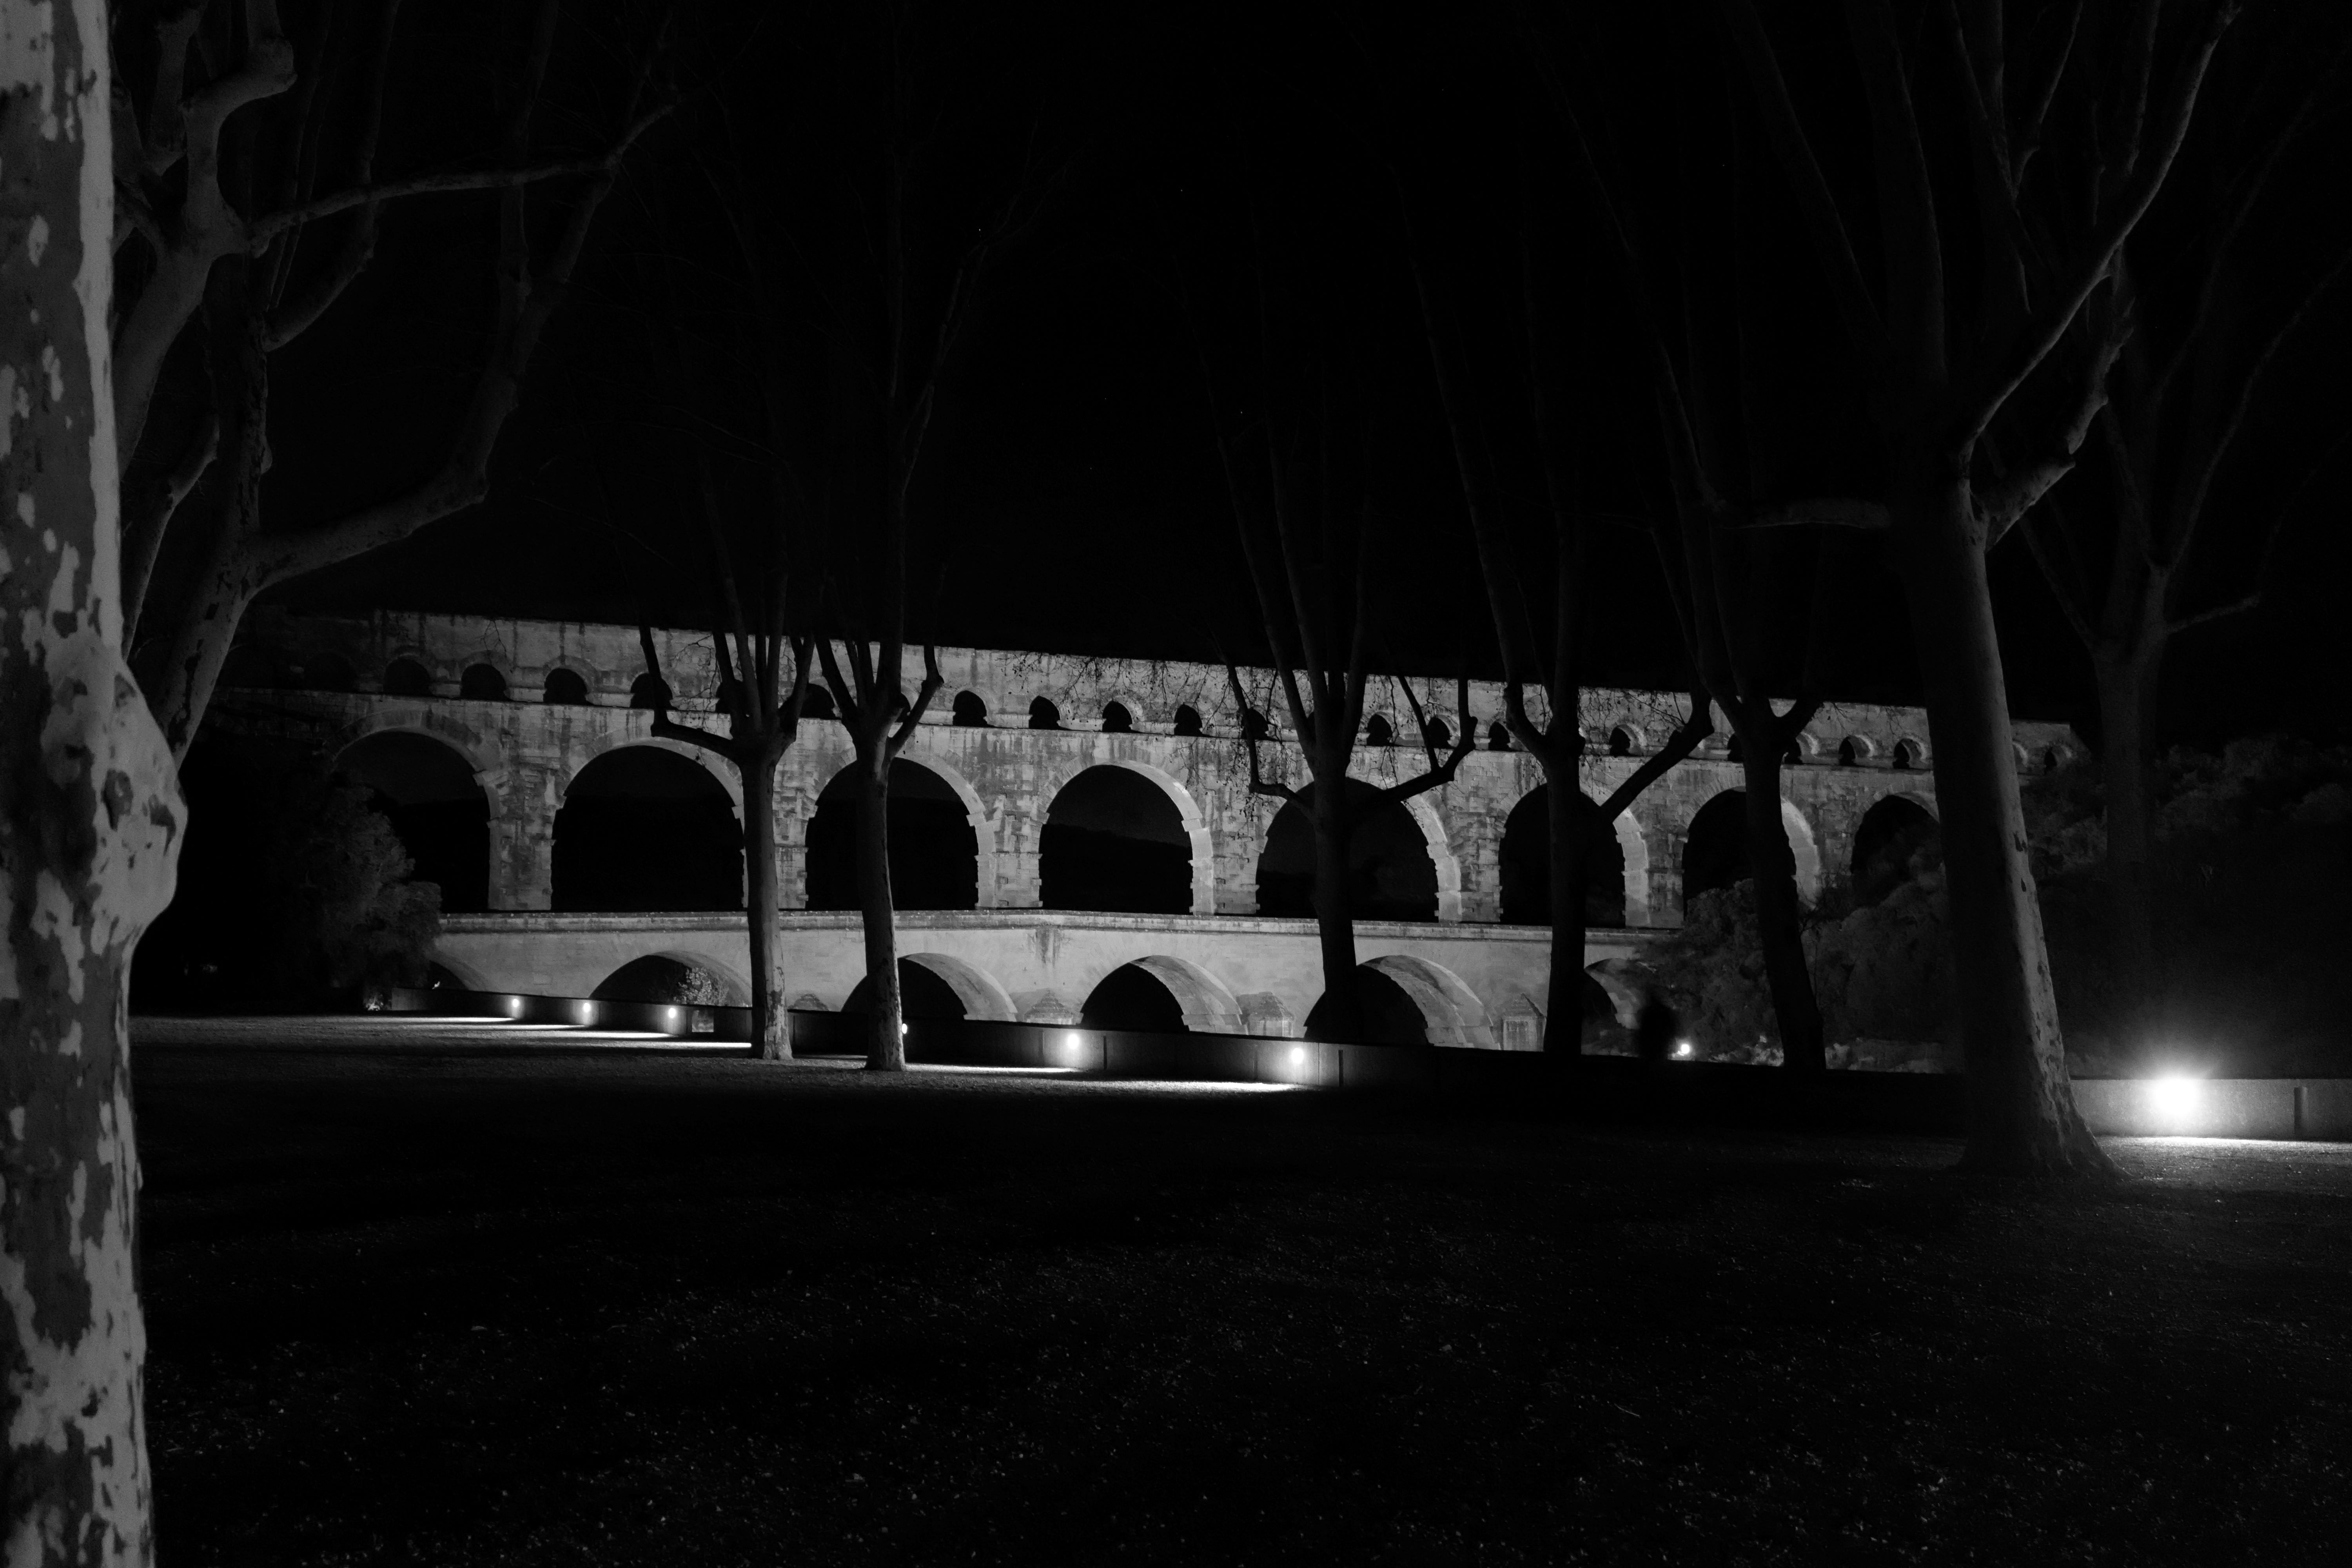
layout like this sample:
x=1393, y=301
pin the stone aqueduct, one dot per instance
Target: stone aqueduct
x=530, y=707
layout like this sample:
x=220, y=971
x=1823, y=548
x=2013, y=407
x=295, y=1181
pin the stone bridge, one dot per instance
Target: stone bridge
x=1055, y=820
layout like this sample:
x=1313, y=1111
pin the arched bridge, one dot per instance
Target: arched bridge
x=1055, y=822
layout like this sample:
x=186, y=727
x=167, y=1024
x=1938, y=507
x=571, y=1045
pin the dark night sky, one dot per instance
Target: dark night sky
x=1072, y=470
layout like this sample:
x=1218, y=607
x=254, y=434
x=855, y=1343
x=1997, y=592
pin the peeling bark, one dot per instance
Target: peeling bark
x=90, y=820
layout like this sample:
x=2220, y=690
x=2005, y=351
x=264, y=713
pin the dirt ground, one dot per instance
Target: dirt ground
x=415, y=1299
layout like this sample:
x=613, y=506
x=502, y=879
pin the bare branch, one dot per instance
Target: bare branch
x=1827, y=512
x=1258, y=784
x=1687, y=738
x=263, y=231
x=932, y=682
x=2218, y=612
x=1999, y=505
x=2059, y=314
x=145, y=527
x=1855, y=308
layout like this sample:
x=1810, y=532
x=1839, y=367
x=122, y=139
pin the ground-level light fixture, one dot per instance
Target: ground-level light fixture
x=1684, y=1048
x=2175, y=1097
x=1298, y=1056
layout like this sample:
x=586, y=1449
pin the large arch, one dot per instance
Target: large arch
x=690, y=978
x=1393, y=871
x=1525, y=861
x=936, y=985
x=1124, y=836
x=1160, y=992
x=1715, y=846
x=644, y=828
x=430, y=793
x=1896, y=831
x=935, y=835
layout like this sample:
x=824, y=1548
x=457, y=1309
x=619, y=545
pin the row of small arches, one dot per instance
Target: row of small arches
x=483, y=682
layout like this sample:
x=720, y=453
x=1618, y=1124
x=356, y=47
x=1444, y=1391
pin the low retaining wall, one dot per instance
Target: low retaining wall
x=2218, y=1107
x=2318, y=1109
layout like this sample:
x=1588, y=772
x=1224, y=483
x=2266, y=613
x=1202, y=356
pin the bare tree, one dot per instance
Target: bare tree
x=91, y=826
x=2070, y=130
x=1559, y=748
x=2197, y=353
x=871, y=700
x=219, y=203
x=1701, y=378
x=1302, y=512
x=910, y=175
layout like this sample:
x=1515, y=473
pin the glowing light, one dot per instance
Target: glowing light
x=2175, y=1097
x=1683, y=1049
x=902, y=1031
x=1298, y=1056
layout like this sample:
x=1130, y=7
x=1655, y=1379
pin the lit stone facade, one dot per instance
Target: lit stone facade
x=525, y=750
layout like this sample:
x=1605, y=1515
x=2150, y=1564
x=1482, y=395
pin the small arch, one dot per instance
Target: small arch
x=1116, y=719
x=1851, y=751
x=1621, y=741
x=1379, y=731
x=684, y=978
x=1123, y=838
x=428, y=790
x=1392, y=871
x=650, y=691
x=1896, y=839
x=818, y=703
x=482, y=683
x=935, y=843
x=1165, y=994
x=1499, y=736
x=2052, y=759
x=1438, y=733
x=644, y=826
x=1715, y=846
x=1735, y=749
x=1411, y=1001
x=1255, y=726
x=1188, y=718
x=406, y=677
x=1907, y=752
x=1799, y=748
x=935, y=986
x=566, y=688
x=1043, y=714
x=968, y=711
x=1525, y=856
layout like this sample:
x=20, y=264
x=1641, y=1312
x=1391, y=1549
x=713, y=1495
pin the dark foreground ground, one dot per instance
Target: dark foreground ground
x=602, y=1307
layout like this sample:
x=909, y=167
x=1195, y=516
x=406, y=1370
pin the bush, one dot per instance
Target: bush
x=291, y=888
x=2251, y=864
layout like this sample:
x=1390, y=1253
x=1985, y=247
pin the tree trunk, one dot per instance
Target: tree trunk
x=771, y=1038
x=2126, y=694
x=888, y=1049
x=1780, y=926
x=1335, y=923
x=1564, y=995
x=90, y=825
x=2022, y=1115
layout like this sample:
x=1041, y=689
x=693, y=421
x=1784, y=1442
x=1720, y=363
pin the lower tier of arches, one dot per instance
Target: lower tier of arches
x=1482, y=987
